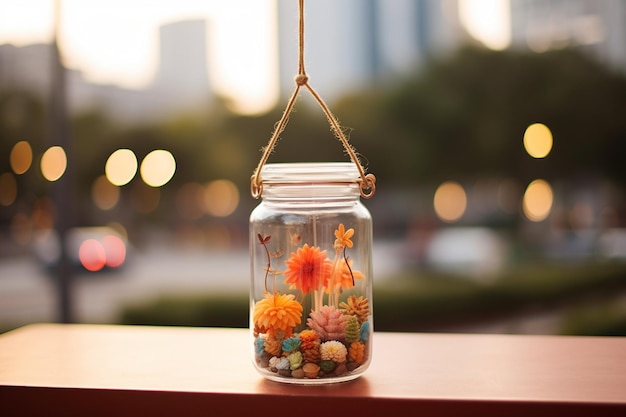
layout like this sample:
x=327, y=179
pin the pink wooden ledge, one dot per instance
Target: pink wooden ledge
x=92, y=370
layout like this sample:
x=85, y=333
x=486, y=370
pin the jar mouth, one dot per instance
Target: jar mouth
x=310, y=172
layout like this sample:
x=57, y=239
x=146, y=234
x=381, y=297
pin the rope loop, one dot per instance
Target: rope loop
x=256, y=187
x=367, y=183
x=368, y=186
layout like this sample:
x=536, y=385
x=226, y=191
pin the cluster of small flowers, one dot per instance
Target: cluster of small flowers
x=336, y=340
x=311, y=354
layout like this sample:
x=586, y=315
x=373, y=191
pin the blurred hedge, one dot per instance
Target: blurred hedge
x=426, y=301
x=211, y=310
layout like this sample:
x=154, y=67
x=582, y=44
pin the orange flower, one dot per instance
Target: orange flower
x=356, y=352
x=308, y=269
x=308, y=335
x=277, y=313
x=343, y=237
x=344, y=276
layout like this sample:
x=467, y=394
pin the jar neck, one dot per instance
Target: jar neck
x=327, y=182
x=311, y=192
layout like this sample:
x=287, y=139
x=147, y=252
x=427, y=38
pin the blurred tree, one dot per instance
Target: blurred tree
x=460, y=117
x=21, y=119
x=92, y=134
x=465, y=116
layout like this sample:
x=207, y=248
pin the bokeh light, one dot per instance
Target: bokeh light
x=92, y=255
x=538, y=200
x=450, y=201
x=21, y=229
x=8, y=189
x=21, y=157
x=538, y=140
x=121, y=167
x=190, y=201
x=47, y=245
x=115, y=251
x=104, y=194
x=158, y=167
x=221, y=198
x=581, y=215
x=43, y=213
x=119, y=229
x=53, y=163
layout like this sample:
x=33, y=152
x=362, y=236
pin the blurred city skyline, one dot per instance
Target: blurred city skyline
x=118, y=42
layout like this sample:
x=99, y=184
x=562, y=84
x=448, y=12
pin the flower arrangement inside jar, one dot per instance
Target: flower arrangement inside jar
x=313, y=322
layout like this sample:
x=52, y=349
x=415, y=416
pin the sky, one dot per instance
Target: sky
x=115, y=41
x=488, y=21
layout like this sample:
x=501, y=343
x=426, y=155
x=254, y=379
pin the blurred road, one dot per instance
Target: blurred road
x=27, y=292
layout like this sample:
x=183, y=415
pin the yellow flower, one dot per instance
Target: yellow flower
x=277, y=313
x=343, y=237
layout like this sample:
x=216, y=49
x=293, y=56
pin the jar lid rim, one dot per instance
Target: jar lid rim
x=317, y=172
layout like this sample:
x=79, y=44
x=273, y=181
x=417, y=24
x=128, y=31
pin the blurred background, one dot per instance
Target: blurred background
x=129, y=130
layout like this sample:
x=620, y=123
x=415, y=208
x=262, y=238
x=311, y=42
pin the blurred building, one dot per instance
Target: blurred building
x=25, y=68
x=181, y=81
x=416, y=30
x=182, y=76
x=350, y=44
x=597, y=27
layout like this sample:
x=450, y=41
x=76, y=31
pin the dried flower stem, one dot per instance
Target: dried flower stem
x=263, y=241
x=345, y=257
x=333, y=293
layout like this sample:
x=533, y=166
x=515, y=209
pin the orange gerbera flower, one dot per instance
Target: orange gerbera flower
x=344, y=276
x=277, y=313
x=343, y=237
x=308, y=268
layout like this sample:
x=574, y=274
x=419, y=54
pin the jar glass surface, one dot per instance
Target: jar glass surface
x=311, y=274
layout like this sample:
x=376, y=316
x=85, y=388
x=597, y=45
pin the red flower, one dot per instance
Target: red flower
x=308, y=269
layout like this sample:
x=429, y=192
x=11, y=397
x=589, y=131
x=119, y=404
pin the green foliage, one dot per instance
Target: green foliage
x=426, y=301
x=465, y=116
x=214, y=310
x=353, y=330
x=596, y=319
x=460, y=117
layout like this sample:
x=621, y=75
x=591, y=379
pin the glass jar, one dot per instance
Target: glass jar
x=311, y=273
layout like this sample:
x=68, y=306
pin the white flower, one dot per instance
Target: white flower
x=273, y=361
x=333, y=350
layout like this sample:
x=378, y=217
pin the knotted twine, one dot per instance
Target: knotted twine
x=367, y=183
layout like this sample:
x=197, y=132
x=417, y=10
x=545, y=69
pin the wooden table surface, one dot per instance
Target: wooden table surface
x=90, y=370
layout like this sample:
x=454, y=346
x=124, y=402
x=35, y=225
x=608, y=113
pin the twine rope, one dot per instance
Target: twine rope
x=367, y=183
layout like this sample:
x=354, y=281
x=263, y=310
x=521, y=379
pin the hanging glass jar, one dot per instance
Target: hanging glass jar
x=311, y=273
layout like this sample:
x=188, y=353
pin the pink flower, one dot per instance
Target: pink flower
x=329, y=323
